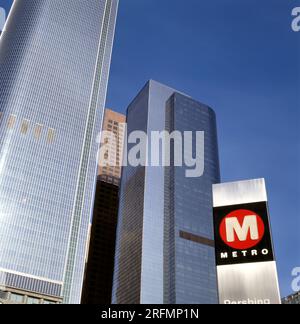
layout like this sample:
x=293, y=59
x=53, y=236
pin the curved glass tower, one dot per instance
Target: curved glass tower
x=54, y=66
x=165, y=248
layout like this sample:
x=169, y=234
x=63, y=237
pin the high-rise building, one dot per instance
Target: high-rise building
x=165, y=247
x=113, y=124
x=292, y=299
x=54, y=66
x=97, y=288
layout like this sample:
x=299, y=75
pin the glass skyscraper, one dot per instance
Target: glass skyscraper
x=165, y=247
x=54, y=66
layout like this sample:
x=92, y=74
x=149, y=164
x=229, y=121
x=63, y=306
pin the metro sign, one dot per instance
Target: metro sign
x=242, y=229
x=242, y=234
x=246, y=267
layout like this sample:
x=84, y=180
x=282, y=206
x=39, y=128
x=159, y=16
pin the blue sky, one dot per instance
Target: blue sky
x=241, y=58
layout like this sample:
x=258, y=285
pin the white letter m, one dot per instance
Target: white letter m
x=249, y=224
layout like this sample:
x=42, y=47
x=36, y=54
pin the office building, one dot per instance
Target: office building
x=114, y=125
x=165, y=248
x=54, y=66
x=97, y=288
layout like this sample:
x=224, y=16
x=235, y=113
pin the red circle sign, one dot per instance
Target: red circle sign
x=242, y=229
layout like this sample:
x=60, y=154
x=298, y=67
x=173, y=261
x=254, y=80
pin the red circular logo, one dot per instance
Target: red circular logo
x=242, y=229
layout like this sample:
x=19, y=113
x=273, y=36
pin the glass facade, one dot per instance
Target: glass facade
x=97, y=288
x=54, y=66
x=128, y=259
x=189, y=248
x=165, y=248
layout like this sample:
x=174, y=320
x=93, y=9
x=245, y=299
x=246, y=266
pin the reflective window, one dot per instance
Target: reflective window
x=47, y=302
x=16, y=298
x=38, y=131
x=32, y=301
x=11, y=121
x=24, y=126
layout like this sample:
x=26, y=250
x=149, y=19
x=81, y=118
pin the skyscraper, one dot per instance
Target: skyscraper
x=113, y=124
x=54, y=66
x=165, y=248
x=97, y=288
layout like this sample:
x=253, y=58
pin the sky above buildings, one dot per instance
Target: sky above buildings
x=241, y=58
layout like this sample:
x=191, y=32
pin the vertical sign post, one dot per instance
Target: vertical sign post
x=246, y=267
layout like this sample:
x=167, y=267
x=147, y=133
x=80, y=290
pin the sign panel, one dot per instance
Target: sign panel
x=242, y=234
x=252, y=283
x=245, y=260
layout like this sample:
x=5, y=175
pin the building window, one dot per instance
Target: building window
x=38, y=131
x=48, y=302
x=16, y=298
x=33, y=301
x=51, y=135
x=11, y=121
x=25, y=126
